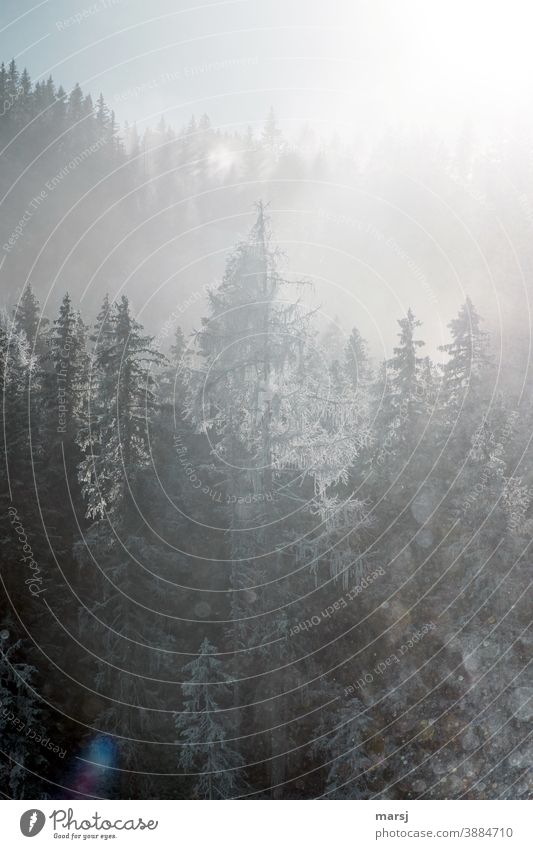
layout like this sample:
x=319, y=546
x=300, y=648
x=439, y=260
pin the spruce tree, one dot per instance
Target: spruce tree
x=121, y=413
x=272, y=136
x=401, y=398
x=465, y=371
x=356, y=361
x=261, y=394
x=28, y=319
x=116, y=440
x=204, y=726
x=70, y=361
x=339, y=745
x=75, y=106
x=21, y=720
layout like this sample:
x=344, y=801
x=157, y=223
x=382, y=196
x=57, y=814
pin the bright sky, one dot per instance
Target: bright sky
x=349, y=66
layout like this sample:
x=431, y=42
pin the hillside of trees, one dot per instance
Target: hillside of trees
x=257, y=562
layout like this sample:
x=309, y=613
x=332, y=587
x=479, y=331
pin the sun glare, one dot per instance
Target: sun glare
x=222, y=159
x=482, y=45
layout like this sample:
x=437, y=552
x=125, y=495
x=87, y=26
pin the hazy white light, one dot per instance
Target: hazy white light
x=222, y=159
x=434, y=61
x=480, y=48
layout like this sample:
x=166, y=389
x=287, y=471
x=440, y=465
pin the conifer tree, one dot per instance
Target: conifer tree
x=272, y=136
x=60, y=398
x=20, y=713
x=70, y=360
x=75, y=105
x=401, y=396
x=28, y=319
x=102, y=116
x=116, y=438
x=204, y=726
x=12, y=82
x=59, y=108
x=3, y=88
x=356, y=361
x=116, y=442
x=468, y=360
x=262, y=395
x=339, y=745
x=16, y=364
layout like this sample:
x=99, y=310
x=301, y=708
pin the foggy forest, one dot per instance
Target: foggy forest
x=266, y=467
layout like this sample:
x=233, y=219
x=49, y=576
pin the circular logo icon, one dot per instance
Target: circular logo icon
x=32, y=822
